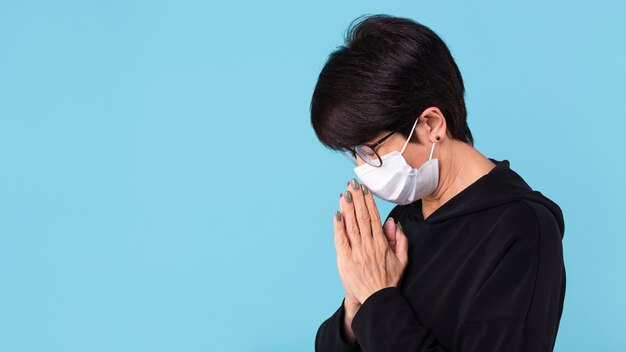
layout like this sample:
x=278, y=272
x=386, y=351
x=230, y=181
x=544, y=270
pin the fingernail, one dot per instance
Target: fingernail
x=340, y=195
x=364, y=188
x=355, y=184
x=390, y=219
x=338, y=215
x=348, y=197
x=400, y=226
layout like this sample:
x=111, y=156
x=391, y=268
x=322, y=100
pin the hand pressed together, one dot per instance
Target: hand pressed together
x=370, y=256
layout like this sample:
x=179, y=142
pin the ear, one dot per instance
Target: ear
x=435, y=122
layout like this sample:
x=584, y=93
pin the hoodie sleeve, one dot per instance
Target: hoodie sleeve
x=330, y=335
x=515, y=309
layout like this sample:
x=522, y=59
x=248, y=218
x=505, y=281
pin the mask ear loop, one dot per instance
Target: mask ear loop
x=431, y=151
x=410, y=134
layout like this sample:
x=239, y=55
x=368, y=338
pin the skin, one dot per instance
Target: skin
x=371, y=256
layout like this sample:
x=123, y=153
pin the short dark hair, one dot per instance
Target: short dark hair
x=389, y=71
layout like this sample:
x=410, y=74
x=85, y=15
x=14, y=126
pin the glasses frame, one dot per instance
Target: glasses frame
x=372, y=146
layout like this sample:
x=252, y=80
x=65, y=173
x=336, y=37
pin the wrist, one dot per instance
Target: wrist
x=352, y=300
x=351, y=305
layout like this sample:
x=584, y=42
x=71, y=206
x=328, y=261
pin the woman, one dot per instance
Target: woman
x=470, y=258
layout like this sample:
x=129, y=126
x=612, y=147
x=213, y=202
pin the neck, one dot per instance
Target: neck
x=460, y=165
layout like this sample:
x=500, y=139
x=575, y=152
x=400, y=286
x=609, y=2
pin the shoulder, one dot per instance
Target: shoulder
x=545, y=218
x=516, y=223
x=516, y=214
x=529, y=221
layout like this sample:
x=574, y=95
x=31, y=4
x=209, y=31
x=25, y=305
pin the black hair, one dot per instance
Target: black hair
x=389, y=71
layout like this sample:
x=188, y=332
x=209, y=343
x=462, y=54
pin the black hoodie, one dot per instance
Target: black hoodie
x=485, y=273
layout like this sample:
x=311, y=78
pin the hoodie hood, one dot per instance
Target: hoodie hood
x=501, y=185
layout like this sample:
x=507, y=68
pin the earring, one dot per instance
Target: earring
x=436, y=137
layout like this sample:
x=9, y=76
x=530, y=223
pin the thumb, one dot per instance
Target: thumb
x=402, y=244
x=389, y=229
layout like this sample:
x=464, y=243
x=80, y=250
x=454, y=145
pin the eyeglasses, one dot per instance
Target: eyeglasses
x=367, y=152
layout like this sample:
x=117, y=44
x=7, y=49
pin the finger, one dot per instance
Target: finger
x=342, y=244
x=402, y=244
x=361, y=212
x=374, y=215
x=347, y=211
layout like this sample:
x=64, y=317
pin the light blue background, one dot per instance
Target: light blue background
x=161, y=187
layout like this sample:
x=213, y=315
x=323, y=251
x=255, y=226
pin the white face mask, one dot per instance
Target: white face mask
x=396, y=181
